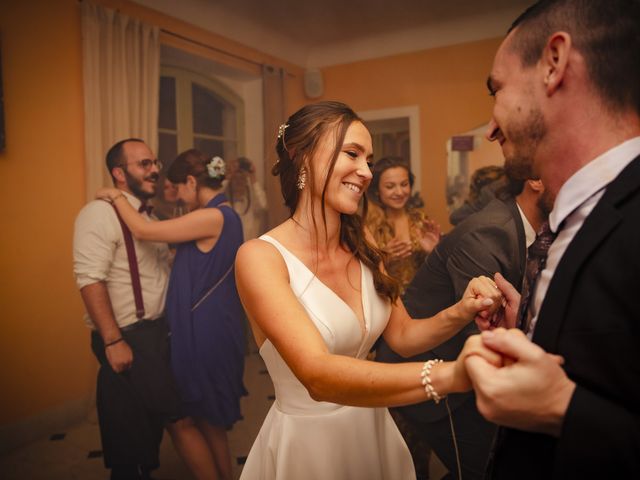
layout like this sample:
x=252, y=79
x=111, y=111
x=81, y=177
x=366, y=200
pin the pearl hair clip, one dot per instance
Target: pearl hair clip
x=281, y=129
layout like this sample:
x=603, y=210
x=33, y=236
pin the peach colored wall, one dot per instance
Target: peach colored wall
x=448, y=84
x=44, y=359
x=484, y=154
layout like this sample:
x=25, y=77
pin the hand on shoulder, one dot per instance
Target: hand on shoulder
x=108, y=193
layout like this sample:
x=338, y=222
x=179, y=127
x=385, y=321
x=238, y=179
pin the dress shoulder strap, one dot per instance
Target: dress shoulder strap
x=299, y=275
x=273, y=242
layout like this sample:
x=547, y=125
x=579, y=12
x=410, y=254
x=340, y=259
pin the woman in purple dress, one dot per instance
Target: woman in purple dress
x=203, y=308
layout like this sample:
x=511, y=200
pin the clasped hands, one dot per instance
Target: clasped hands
x=427, y=234
x=517, y=383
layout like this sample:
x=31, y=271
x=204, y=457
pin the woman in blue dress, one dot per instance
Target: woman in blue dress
x=204, y=311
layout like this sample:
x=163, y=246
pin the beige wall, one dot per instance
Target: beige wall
x=44, y=359
x=448, y=85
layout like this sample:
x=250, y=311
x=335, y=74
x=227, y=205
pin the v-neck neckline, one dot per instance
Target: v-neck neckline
x=363, y=325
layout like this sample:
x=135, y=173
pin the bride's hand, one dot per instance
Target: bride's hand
x=108, y=193
x=481, y=297
x=473, y=346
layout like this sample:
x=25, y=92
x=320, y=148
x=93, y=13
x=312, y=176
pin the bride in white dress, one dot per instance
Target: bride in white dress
x=318, y=299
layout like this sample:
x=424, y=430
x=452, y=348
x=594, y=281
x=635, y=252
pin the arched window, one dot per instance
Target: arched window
x=198, y=112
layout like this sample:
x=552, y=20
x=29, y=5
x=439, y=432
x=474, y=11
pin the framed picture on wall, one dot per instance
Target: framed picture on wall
x=396, y=131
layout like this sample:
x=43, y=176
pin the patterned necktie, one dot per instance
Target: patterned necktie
x=536, y=260
x=145, y=208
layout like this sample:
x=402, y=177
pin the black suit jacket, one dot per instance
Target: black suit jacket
x=486, y=242
x=591, y=316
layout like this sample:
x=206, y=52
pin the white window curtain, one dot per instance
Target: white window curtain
x=273, y=95
x=121, y=66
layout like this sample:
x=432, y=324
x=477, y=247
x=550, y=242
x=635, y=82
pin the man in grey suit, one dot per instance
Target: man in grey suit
x=492, y=240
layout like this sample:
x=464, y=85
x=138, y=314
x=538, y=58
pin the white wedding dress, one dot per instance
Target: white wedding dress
x=302, y=439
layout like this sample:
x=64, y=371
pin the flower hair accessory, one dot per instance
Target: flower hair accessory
x=216, y=167
x=281, y=130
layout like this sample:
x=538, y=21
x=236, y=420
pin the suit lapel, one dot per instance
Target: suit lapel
x=602, y=220
x=553, y=310
x=522, y=240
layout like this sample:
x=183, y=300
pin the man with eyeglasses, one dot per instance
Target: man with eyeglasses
x=123, y=289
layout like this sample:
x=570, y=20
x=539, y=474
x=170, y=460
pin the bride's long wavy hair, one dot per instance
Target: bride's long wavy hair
x=297, y=144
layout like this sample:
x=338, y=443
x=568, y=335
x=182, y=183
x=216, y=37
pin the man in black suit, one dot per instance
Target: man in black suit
x=566, y=82
x=492, y=240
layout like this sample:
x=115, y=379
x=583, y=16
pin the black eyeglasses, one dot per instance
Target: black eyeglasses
x=147, y=163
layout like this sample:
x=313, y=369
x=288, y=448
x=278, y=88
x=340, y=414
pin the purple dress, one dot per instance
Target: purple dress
x=207, y=344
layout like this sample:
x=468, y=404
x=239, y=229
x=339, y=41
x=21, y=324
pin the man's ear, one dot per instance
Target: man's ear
x=536, y=185
x=555, y=58
x=118, y=174
x=191, y=182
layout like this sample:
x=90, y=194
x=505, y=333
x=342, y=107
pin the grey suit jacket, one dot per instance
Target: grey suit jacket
x=486, y=242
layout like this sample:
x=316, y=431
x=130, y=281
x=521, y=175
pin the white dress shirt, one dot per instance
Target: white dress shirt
x=100, y=255
x=529, y=232
x=575, y=201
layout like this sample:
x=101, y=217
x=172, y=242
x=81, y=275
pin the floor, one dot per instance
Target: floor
x=75, y=453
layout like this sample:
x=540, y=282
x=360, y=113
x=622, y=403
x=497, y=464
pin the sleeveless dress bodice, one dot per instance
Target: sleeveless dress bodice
x=207, y=340
x=303, y=438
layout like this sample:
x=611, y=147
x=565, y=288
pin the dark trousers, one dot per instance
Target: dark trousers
x=474, y=437
x=135, y=405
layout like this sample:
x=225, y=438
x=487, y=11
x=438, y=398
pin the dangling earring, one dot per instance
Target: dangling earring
x=302, y=179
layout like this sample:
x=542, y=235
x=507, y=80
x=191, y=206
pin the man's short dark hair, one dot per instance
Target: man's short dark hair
x=482, y=177
x=115, y=155
x=605, y=32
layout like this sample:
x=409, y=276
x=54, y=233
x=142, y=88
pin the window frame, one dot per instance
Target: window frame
x=184, y=109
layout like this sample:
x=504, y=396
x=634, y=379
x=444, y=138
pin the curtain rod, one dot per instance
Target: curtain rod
x=209, y=47
x=223, y=52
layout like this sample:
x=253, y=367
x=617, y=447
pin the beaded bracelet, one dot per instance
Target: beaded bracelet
x=117, y=340
x=426, y=380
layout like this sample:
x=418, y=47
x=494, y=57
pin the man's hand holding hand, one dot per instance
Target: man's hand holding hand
x=530, y=392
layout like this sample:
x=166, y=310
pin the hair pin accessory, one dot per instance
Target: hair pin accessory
x=216, y=167
x=281, y=129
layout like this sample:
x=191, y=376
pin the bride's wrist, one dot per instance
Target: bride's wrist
x=456, y=313
x=438, y=379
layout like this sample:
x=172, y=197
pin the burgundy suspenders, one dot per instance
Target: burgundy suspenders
x=133, y=266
